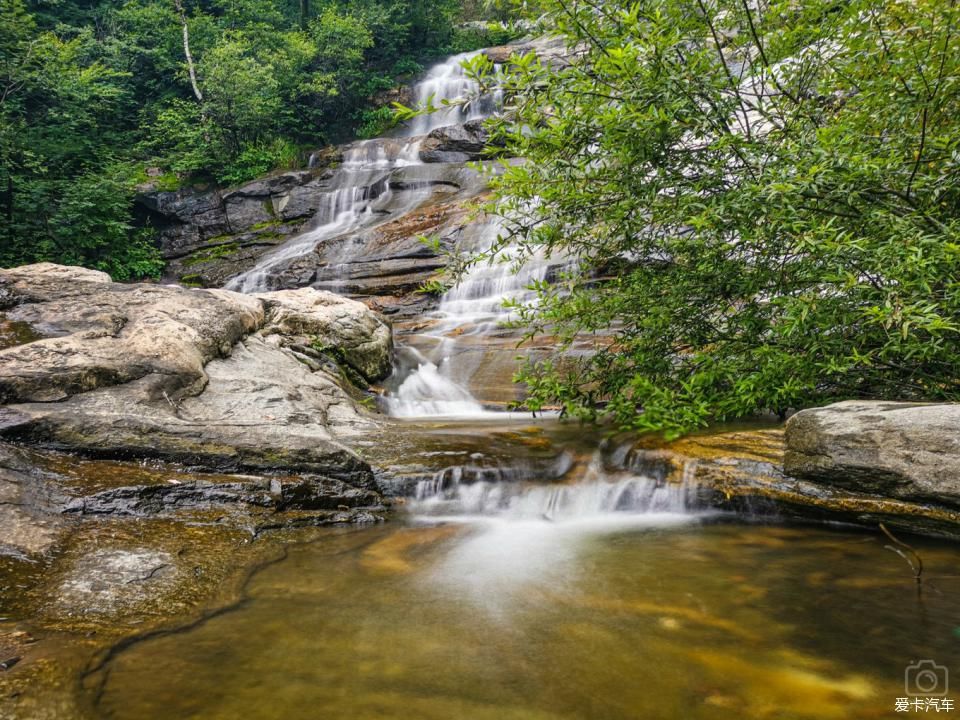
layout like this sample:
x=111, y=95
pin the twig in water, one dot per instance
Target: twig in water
x=916, y=564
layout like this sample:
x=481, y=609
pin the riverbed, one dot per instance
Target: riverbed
x=658, y=615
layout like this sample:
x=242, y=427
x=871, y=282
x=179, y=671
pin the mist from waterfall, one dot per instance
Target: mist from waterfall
x=526, y=534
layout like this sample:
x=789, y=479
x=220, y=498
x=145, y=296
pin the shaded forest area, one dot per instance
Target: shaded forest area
x=96, y=94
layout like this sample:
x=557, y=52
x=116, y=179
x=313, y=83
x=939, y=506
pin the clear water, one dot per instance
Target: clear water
x=596, y=613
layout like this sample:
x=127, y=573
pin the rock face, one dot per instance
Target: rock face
x=551, y=51
x=107, y=334
x=455, y=143
x=900, y=450
x=385, y=263
x=213, y=378
x=357, y=335
x=304, y=493
x=208, y=236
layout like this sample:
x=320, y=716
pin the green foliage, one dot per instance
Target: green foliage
x=376, y=122
x=465, y=39
x=762, y=209
x=90, y=227
x=434, y=286
x=258, y=159
x=93, y=93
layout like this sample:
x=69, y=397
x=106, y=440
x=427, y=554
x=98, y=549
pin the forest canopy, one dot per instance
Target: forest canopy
x=94, y=92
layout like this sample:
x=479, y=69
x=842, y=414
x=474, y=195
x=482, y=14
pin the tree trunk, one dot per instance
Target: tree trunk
x=304, y=13
x=10, y=198
x=186, y=50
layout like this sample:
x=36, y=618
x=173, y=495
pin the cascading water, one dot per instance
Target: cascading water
x=362, y=184
x=598, y=497
x=468, y=312
x=527, y=534
x=362, y=189
x=448, y=82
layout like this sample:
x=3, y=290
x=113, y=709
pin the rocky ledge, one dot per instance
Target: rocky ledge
x=906, y=451
x=210, y=378
x=148, y=434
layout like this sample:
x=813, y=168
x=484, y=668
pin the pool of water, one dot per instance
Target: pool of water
x=656, y=615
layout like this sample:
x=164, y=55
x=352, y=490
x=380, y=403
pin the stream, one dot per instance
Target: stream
x=533, y=579
x=606, y=600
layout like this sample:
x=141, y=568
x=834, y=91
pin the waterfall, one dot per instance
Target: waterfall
x=448, y=81
x=361, y=186
x=434, y=382
x=469, y=311
x=361, y=189
x=599, y=497
x=521, y=536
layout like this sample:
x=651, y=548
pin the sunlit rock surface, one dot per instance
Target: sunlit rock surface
x=211, y=377
x=907, y=451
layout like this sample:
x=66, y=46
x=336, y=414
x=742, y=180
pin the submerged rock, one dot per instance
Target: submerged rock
x=107, y=579
x=899, y=450
x=29, y=507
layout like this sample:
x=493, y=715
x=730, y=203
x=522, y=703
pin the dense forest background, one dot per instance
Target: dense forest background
x=93, y=93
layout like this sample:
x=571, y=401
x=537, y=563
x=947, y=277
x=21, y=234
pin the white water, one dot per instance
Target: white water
x=447, y=87
x=524, y=536
x=362, y=184
x=362, y=190
x=471, y=310
x=599, y=495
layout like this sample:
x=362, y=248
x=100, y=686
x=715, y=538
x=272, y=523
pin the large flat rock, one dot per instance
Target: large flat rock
x=898, y=450
x=212, y=378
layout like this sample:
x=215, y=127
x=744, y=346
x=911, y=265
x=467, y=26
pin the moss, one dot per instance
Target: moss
x=267, y=224
x=219, y=239
x=211, y=254
x=167, y=182
x=191, y=280
x=336, y=355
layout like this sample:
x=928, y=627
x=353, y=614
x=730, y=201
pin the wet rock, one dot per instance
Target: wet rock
x=303, y=493
x=262, y=201
x=325, y=494
x=29, y=507
x=208, y=236
x=145, y=500
x=743, y=472
x=897, y=450
x=106, y=580
x=455, y=143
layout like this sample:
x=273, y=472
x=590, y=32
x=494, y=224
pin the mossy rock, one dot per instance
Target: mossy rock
x=211, y=254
